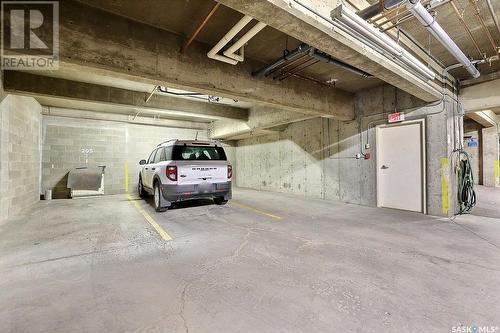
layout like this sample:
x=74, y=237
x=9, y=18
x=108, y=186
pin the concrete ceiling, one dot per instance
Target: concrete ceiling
x=265, y=47
x=183, y=16
x=109, y=49
x=448, y=19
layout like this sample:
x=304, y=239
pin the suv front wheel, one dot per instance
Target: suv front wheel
x=140, y=189
x=157, y=198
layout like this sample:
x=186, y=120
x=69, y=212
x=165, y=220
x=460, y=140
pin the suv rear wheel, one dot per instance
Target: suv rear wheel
x=220, y=201
x=157, y=198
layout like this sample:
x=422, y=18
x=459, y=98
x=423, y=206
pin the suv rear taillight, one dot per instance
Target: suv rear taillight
x=172, y=173
x=229, y=171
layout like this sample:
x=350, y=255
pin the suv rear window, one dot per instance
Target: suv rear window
x=195, y=153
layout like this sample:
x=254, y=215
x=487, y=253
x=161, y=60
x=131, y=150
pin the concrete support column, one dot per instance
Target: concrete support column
x=491, y=154
x=19, y=154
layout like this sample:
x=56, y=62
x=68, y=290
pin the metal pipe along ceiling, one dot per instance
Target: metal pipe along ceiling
x=302, y=50
x=329, y=60
x=295, y=53
x=416, y=8
x=370, y=35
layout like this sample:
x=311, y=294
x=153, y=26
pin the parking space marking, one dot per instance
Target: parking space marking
x=150, y=220
x=126, y=176
x=237, y=204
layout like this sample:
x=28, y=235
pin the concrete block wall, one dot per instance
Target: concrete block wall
x=315, y=158
x=69, y=143
x=20, y=146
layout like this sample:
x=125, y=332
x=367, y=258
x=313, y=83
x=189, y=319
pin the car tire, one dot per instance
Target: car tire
x=220, y=201
x=157, y=198
x=140, y=189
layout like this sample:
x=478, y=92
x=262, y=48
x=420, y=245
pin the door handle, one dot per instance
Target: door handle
x=153, y=168
x=183, y=176
x=146, y=169
x=384, y=167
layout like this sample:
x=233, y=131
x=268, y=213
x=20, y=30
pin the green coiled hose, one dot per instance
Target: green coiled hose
x=466, y=194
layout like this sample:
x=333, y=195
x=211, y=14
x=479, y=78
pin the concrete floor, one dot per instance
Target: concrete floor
x=96, y=265
x=488, y=202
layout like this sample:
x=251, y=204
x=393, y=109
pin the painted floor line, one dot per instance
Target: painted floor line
x=164, y=235
x=237, y=204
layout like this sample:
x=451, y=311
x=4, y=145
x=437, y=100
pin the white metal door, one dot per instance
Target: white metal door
x=400, y=166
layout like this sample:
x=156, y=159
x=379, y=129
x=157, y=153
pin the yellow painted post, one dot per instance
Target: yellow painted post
x=126, y=176
x=497, y=172
x=444, y=186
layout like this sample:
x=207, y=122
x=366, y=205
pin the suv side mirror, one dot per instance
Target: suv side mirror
x=142, y=162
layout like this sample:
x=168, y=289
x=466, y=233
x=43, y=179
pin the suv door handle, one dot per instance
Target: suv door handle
x=146, y=169
x=153, y=168
x=384, y=167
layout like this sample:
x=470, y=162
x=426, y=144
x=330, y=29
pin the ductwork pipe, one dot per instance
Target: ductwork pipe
x=226, y=39
x=329, y=60
x=231, y=51
x=416, y=8
x=303, y=48
x=370, y=33
x=314, y=53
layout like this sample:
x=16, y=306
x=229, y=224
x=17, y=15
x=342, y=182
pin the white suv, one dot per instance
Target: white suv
x=181, y=170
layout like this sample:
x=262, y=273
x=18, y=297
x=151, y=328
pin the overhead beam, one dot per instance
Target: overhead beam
x=481, y=79
x=260, y=120
x=139, y=120
x=34, y=85
x=294, y=20
x=486, y=118
x=131, y=50
x=483, y=96
x=67, y=103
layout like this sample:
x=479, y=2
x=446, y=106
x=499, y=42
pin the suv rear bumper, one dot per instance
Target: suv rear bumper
x=174, y=193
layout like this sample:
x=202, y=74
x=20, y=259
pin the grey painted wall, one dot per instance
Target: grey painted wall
x=19, y=154
x=315, y=158
x=312, y=158
x=113, y=144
